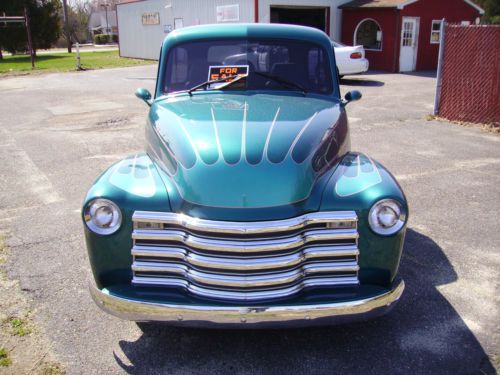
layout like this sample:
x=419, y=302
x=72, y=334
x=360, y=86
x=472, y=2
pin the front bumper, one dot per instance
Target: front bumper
x=258, y=316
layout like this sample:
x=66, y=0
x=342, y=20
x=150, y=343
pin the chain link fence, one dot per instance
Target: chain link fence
x=469, y=74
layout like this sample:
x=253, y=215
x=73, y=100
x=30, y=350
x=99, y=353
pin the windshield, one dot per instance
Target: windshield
x=290, y=61
x=338, y=44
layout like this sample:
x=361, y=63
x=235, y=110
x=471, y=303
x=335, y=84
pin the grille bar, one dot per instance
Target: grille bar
x=244, y=228
x=245, y=260
x=245, y=246
x=246, y=281
x=256, y=295
x=242, y=263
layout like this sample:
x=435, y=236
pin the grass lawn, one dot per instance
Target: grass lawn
x=65, y=62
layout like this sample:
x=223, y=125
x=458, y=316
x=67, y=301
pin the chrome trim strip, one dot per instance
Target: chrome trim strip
x=244, y=246
x=243, y=263
x=240, y=281
x=261, y=315
x=254, y=227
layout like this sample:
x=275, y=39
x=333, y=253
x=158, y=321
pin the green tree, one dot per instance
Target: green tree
x=44, y=22
x=78, y=16
x=491, y=11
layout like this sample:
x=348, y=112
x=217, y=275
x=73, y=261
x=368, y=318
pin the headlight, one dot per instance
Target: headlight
x=386, y=217
x=102, y=216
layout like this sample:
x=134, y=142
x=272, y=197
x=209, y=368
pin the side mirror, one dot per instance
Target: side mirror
x=352, y=96
x=144, y=95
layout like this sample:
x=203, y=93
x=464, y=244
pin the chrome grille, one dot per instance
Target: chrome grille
x=245, y=260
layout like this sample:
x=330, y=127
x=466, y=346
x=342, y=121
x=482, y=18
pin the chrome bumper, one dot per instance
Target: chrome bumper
x=246, y=316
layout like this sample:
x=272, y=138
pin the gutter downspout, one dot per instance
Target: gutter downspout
x=256, y=10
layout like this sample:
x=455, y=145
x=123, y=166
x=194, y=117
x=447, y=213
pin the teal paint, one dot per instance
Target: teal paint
x=254, y=146
x=272, y=155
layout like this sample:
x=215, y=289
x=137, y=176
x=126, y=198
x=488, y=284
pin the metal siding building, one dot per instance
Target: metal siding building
x=136, y=39
x=142, y=39
x=196, y=12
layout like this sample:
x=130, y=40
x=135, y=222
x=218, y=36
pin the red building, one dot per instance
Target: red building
x=402, y=35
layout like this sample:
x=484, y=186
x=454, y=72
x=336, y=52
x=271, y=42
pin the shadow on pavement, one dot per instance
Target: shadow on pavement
x=27, y=58
x=423, y=334
x=425, y=73
x=361, y=82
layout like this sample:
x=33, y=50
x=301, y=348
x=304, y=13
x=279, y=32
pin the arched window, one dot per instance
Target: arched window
x=369, y=35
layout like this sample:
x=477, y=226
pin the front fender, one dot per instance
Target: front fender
x=132, y=183
x=357, y=184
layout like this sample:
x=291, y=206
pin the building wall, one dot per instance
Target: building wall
x=98, y=19
x=136, y=39
x=196, y=12
x=454, y=11
x=388, y=20
x=144, y=41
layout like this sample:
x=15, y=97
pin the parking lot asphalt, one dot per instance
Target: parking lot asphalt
x=59, y=131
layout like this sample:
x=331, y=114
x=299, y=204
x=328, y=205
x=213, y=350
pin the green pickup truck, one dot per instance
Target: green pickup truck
x=248, y=207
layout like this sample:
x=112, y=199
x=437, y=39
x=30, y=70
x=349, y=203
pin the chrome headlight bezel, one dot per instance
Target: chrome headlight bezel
x=90, y=216
x=378, y=226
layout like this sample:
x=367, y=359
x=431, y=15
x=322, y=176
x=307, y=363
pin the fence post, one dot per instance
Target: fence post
x=437, y=97
x=78, y=65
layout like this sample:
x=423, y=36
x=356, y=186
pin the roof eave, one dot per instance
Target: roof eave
x=474, y=5
x=368, y=7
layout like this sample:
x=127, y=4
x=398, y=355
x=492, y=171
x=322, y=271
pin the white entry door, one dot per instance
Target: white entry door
x=408, y=50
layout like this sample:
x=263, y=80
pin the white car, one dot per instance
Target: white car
x=350, y=60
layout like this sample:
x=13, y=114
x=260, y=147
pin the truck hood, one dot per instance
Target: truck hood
x=231, y=150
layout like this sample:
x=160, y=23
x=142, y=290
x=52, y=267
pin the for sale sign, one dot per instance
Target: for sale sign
x=221, y=72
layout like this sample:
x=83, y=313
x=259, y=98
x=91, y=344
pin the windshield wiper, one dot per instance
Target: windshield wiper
x=208, y=83
x=282, y=81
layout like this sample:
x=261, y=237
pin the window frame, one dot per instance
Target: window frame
x=334, y=87
x=381, y=33
x=435, y=31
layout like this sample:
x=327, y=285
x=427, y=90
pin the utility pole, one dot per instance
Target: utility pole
x=26, y=20
x=4, y=25
x=66, y=24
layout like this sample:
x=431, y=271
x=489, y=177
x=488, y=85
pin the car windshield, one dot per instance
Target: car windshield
x=280, y=64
